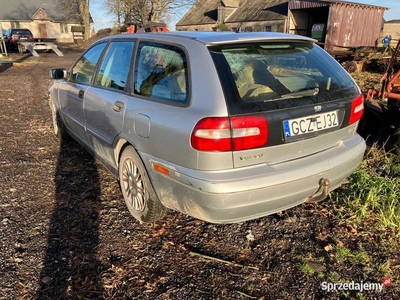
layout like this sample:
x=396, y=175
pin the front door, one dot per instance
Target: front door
x=106, y=100
x=72, y=94
x=42, y=31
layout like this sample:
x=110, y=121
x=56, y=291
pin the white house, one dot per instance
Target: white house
x=44, y=18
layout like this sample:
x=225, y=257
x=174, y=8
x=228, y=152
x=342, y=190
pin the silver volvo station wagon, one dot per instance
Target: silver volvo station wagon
x=222, y=126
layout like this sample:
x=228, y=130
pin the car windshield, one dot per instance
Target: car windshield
x=280, y=75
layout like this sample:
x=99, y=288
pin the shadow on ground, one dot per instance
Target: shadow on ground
x=71, y=269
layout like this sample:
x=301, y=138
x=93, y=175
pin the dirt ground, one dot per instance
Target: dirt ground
x=65, y=232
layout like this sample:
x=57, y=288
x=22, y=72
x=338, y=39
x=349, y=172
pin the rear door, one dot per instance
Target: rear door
x=72, y=94
x=303, y=93
x=105, y=101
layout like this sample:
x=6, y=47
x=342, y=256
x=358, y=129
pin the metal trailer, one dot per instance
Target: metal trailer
x=381, y=121
x=3, y=48
x=357, y=59
x=39, y=44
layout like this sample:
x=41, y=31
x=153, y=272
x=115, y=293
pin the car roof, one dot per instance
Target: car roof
x=20, y=29
x=215, y=38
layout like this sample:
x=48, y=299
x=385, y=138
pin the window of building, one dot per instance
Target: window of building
x=15, y=24
x=63, y=27
x=268, y=28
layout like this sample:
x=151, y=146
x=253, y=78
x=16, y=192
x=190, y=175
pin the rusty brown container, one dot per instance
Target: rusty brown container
x=348, y=24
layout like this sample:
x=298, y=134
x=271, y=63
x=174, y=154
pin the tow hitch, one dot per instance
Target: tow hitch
x=323, y=187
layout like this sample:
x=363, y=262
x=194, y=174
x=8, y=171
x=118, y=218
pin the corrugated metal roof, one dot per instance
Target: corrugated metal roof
x=22, y=10
x=351, y=3
x=299, y=4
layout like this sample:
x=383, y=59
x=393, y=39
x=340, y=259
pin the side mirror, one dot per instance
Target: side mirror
x=58, y=73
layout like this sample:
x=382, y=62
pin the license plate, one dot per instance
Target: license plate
x=309, y=124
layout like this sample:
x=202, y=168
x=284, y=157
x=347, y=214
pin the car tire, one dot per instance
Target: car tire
x=396, y=142
x=137, y=190
x=58, y=125
x=351, y=66
x=393, y=144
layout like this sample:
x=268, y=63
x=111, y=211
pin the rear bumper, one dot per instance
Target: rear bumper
x=252, y=192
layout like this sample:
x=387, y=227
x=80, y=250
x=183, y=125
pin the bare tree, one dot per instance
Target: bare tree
x=79, y=11
x=146, y=11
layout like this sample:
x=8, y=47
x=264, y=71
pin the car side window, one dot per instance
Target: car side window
x=114, y=69
x=83, y=70
x=161, y=72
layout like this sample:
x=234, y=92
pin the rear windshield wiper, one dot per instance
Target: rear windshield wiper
x=306, y=92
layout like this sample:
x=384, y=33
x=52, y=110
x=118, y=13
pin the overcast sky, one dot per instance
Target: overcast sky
x=103, y=20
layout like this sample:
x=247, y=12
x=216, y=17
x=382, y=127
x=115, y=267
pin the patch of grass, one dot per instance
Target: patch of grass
x=26, y=60
x=306, y=269
x=334, y=277
x=373, y=194
x=311, y=265
x=383, y=268
x=360, y=297
x=361, y=257
x=343, y=254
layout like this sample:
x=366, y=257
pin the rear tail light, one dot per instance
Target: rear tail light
x=31, y=38
x=230, y=133
x=357, y=109
x=14, y=38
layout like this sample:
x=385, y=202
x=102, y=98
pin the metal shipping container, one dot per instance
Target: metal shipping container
x=347, y=24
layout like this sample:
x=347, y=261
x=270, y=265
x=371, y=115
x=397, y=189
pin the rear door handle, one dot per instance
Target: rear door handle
x=81, y=93
x=118, y=106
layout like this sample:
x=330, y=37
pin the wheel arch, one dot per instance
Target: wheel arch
x=54, y=95
x=119, y=148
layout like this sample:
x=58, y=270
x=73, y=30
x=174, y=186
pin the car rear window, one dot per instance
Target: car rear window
x=272, y=76
x=21, y=32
